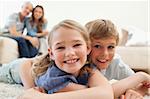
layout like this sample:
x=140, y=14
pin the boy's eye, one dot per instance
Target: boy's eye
x=97, y=46
x=111, y=47
x=76, y=45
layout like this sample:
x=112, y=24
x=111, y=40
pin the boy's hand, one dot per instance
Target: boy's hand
x=131, y=94
x=146, y=84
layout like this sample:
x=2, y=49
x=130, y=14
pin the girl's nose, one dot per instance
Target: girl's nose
x=69, y=52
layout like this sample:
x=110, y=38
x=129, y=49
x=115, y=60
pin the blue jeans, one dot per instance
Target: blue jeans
x=26, y=49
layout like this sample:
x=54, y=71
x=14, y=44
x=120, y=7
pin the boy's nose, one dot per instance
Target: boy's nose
x=105, y=52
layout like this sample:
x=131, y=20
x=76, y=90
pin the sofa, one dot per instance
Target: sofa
x=138, y=58
x=9, y=49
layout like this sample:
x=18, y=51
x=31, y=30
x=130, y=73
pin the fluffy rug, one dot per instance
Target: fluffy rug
x=11, y=91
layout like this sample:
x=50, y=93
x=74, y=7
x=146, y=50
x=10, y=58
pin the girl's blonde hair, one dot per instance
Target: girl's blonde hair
x=44, y=62
x=102, y=29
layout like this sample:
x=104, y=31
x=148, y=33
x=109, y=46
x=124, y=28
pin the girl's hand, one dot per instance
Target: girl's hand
x=40, y=89
x=30, y=94
x=131, y=94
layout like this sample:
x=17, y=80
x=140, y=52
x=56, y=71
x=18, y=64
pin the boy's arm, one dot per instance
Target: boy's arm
x=131, y=82
x=131, y=94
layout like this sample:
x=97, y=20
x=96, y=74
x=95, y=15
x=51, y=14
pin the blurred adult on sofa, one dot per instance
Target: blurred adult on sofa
x=14, y=29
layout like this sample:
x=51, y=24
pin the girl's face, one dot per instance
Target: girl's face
x=103, y=51
x=38, y=13
x=69, y=50
x=26, y=9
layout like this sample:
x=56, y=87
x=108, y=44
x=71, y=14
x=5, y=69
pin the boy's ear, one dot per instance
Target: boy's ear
x=50, y=53
x=88, y=49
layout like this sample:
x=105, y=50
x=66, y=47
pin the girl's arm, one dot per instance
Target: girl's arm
x=102, y=91
x=25, y=74
x=97, y=79
x=130, y=82
x=89, y=93
x=72, y=87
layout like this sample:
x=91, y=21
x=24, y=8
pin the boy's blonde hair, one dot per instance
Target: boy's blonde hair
x=44, y=62
x=102, y=29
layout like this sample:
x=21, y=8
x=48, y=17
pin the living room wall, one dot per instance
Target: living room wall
x=123, y=13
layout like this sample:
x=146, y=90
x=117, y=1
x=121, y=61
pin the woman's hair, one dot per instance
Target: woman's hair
x=42, y=65
x=102, y=29
x=41, y=20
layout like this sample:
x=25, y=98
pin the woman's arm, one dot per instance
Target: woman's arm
x=120, y=87
x=44, y=33
x=33, y=40
x=44, y=30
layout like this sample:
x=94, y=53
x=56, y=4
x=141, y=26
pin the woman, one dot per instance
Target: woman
x=36, y=26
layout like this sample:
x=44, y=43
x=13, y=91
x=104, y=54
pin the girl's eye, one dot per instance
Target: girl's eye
x=97, y=46
x=111, y=47
x=60, y=48
x=76, y=45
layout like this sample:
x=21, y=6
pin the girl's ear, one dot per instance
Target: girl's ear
x=50, y=54
x=88, y=49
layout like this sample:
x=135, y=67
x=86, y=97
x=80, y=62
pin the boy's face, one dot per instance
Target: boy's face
x=103, y=51
x=68, y=50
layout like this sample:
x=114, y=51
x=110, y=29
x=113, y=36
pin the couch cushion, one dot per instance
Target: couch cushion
x=135, y=57
x=8, y=50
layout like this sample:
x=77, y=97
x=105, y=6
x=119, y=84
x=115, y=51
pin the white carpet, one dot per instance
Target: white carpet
x=10, y=91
